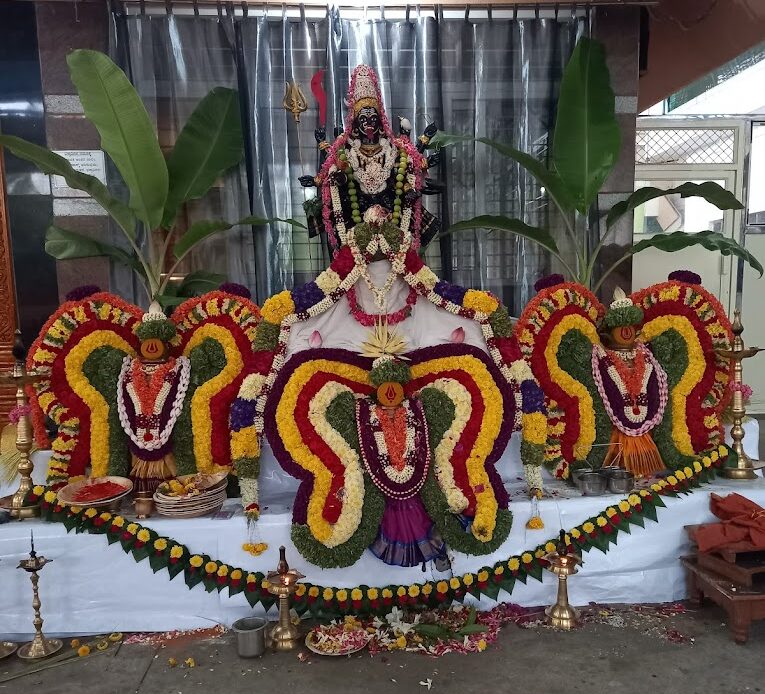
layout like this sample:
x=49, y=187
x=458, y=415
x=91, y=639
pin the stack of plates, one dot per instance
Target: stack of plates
x=211, y=496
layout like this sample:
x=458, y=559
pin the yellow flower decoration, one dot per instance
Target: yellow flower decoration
x=132, y=528
x=119, y=521
x=633, y=499
x=482, y=645
x=442, y=587
x=401, y=591
x=357, y=594
x=483, y=576
x=514, y=564
x=414, y=591
x=313, y=591
x=550, y=547
x=467, y=579
x=706, y=461
x=499, y=570
x=644, y=493
x=341, y=595
x=82, y=651
x=211, y=567
x=454, y=583
x=50, y=497
x=278, y=307
x=672, y=479
x=401, y=641
x=373, y=594
x=610, y=512
x=576, y=533
x=688, y=472
x=680, y=475
x=196, y=561
x=539, y=553
x=328, y=594
x=427, y=589
x=144, y=535
x=222, y=570
x=624, y=506
x=160, y=544
x=601, y=522
x=38, y=490
x=236, y=575
x=697, y=466
x=483, y=302
x=90, y=513
x=526, y=558
x=588, y=527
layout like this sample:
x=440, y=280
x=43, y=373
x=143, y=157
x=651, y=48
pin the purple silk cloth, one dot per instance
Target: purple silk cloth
x=407, y=536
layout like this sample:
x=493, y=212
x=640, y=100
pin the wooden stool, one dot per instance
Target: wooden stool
x=743, y=604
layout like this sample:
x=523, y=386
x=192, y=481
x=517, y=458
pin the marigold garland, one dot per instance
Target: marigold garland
x=598, y=532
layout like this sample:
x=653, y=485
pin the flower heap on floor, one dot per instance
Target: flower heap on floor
x=649, y=400
x=141, y=395
x=389, y=393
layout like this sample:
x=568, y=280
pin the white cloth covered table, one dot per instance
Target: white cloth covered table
x=94, y=587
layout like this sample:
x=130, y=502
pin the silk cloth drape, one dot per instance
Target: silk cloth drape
x=496, y=78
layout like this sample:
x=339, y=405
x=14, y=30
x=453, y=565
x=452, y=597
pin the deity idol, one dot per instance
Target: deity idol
x=389, y=393
x=650, y=398
x=139, y=394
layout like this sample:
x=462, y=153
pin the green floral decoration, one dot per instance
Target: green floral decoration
x=575, y=357
x=623, y=316
x=266, y=337
x=501, y=323
x=207, y=359
x=390, y=370
x=162, y=330
x=102, y=369
x=671, y=352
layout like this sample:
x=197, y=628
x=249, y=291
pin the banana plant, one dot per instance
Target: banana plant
x=209, y=144
x=585, y=148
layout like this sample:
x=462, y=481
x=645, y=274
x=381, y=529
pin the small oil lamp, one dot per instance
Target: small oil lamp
x=39, y=647
x=563, y=564
x=283, y=583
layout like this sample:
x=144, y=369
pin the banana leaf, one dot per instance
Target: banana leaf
x=63, y=244
x=200, y=282
x=208, y=227
x=712, y=192
x=515, y=226
x=127, y=135
x=50, y=163
x=209, y=144
x=711, y=240
x=587, y=138
x=549, y=179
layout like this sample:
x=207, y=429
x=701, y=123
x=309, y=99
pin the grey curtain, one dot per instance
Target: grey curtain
x=495, y=78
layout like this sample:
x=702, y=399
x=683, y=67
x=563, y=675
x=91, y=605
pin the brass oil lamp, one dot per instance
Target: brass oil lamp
x=563, y=564
x=745, y=466
x=283, y=583
x=39, y=647
x=19, y=377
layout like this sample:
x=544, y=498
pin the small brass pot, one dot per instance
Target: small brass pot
x=144, y=505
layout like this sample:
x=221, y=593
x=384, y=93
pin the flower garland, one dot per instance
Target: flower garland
x=369, y=320
x=163, y=553
x=638, y=412
x=149, y=424
x=397, y=481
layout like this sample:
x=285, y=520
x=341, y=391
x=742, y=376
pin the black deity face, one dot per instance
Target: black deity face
x=367, y=125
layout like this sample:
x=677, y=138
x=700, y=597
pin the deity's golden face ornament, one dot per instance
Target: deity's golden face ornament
x=390, y=394
x=624, y=335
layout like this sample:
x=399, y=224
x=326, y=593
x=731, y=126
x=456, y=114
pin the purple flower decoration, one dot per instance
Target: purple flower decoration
x=533, y=399
x=687, y=276
x=306, y=296
x=236, y=289
x=83, y=292
x=450, y=292
x=242, y=414
x=548, y=281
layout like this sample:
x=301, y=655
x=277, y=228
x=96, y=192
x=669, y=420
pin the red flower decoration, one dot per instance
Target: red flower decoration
x=413, y=263
x=343, y=262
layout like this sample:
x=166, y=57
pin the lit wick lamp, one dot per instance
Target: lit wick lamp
x=283, y=583
x=19, y=377
x=40, y=647
x=745, y=467
x=563, y=564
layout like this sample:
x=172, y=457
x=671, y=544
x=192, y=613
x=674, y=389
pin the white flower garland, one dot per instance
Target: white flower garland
x=372, y=170
x=182, y=369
